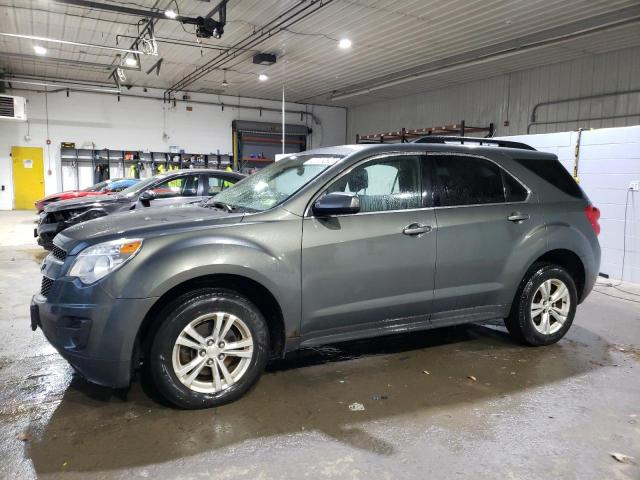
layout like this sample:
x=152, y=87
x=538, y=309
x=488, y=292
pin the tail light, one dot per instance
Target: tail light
x=593, y=215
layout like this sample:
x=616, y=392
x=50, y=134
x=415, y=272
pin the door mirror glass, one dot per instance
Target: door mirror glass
x=147, y=196
x=336, y=203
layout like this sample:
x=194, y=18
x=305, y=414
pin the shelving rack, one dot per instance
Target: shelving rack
x=119, y=163
x=406, y=135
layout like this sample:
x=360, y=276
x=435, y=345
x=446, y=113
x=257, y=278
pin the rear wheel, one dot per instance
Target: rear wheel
x=544, y=306
x=210, y=349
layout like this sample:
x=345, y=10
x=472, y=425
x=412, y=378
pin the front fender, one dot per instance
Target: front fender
x=165, y=262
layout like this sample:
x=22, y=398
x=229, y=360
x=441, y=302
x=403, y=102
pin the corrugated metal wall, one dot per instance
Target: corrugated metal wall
x=512, y=97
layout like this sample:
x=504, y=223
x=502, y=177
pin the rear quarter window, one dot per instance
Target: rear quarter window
x=553, y=172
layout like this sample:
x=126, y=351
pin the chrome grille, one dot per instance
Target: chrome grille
x=59, y=253
x=45, y=288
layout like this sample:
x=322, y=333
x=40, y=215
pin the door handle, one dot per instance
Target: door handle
x=416, y=229
x=518, y=217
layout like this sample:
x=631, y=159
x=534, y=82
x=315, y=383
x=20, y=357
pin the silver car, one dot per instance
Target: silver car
x=323, y=246
x=170, y=188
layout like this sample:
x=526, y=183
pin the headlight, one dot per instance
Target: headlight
x=96, y=262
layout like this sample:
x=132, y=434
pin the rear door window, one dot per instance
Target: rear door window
x=466, y=180
x=513, y=189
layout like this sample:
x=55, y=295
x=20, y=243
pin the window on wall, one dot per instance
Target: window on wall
x=462, y=180
x=389, y=183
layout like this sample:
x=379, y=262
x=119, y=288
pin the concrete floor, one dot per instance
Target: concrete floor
x=553, y=412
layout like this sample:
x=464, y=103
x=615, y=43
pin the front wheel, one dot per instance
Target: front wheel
x=544, y=307
x=210, y=349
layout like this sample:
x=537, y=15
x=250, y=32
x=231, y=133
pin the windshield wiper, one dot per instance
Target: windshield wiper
x=219, y=205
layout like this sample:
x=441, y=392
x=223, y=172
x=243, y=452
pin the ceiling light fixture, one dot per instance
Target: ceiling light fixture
x=170, y=14
x=40, y=50
x=344, y=43
x=263, y=77
x=225, y=84
x=131, y=62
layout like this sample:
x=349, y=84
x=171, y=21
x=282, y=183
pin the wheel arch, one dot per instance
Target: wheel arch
x=260, y=295
x=568, y=260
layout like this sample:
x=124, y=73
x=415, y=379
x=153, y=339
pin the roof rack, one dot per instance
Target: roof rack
x=406, y=135
x=481, y=141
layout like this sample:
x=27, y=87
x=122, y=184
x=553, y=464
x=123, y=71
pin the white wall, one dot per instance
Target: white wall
x=138, y=123
x=609, y=159
x=511, y=98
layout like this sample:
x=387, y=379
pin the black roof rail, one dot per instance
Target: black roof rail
x=479, y=140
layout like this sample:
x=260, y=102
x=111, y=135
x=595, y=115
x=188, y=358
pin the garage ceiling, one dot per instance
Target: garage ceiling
x=399, y=46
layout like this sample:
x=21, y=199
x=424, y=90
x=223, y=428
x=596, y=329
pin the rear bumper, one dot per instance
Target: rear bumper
x=97, y=339
x=591, y=270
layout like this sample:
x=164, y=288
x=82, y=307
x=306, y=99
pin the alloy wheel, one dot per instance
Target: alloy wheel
x=550, y=306
x=212, y=352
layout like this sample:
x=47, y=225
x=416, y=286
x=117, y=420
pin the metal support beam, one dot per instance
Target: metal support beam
x=79, y=44
x=156, y=66
x=136, y=12
x=65, y=61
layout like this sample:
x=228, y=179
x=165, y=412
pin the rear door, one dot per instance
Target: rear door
x=372, y=269
x=486, y=221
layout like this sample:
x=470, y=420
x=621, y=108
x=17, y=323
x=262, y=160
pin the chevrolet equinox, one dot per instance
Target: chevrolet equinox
x=323, y=246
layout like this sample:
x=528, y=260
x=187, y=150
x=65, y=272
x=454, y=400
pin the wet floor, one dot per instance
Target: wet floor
x=453, y=403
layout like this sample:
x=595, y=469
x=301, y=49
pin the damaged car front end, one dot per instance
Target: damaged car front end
x=58, y=217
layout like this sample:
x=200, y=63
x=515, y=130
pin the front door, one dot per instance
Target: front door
x=28, y=177
x=375, y=267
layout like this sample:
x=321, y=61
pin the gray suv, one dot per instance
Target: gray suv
x=323, y=246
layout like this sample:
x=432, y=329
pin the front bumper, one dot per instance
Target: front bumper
x=45, y=232
x=94, y=332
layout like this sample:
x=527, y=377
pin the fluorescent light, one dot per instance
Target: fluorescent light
x=170, y=14
x=262, y=77
x=40, y=50
x=131, y=62
x=344, y=43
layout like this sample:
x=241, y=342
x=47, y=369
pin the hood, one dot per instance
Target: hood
x=85, y=202
x=66, y=193
x=149, y=222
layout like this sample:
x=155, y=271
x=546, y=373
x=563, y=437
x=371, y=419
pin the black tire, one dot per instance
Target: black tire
x=519, y=322
x=177, y=315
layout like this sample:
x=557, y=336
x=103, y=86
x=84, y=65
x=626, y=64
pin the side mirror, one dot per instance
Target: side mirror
x=336, y=203
x=146, y=197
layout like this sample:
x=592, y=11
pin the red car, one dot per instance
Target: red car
x=102, y=188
